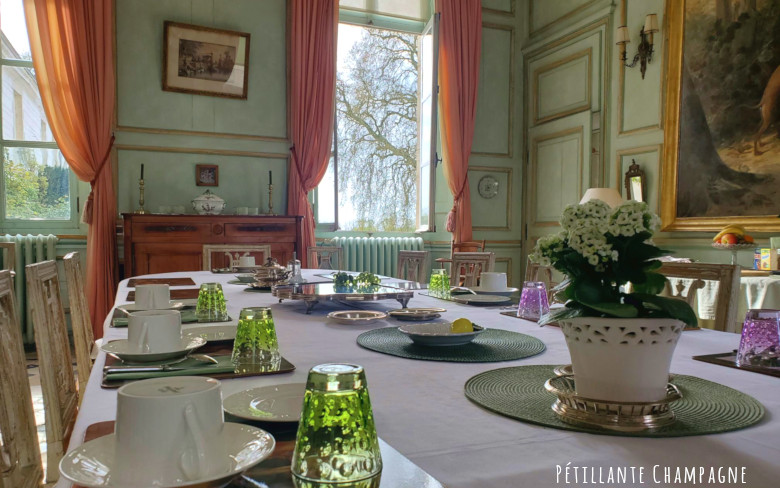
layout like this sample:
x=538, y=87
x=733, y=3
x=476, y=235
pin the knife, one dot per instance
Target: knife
x=143, y=369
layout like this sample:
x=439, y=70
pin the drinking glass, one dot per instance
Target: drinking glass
x=533, y=301
x=439, y=285
x=760, y=340
x=336, y=439
x=256, y=349
x=212, y=306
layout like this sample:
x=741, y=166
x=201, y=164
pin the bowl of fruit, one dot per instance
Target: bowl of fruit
x=456, y=333
x=733, y=237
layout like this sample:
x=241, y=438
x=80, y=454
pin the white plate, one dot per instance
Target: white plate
x=134, y=307
x=127, y=352
x=246, y=278
x=247, y=269
x=274, y=403
x=504, y=293
x=212, y=333
x=480, y=299
x=438, y=334
x=416, y=314
x=357, y=317
x=91, y=464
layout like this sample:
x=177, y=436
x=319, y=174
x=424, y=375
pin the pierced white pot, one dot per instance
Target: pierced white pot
x=621, y=360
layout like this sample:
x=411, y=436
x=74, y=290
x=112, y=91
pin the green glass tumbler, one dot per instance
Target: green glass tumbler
x=439, y=285
x=255, y=348
x=212, y=306
x=336, y=441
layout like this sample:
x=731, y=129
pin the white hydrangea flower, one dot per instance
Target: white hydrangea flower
x=545, y=248
x=588, y=239
x=631, y=218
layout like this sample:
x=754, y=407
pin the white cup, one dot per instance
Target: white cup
x=246, y=261
x=490, y=281
x=254, y=210
x=164, y=209
x=154, y=331
x=153, y=297
x=169, y=430
x=242, y=210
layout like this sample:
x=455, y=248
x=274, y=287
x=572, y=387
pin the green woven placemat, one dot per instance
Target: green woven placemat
x=490, y=346
x=705, y=408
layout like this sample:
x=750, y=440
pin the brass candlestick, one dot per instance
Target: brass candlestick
x=141, y=197
x=270, y=199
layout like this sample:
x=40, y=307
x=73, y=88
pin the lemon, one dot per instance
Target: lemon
x=462, y=325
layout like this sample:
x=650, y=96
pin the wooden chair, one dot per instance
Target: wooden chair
x=8, y=249
x=727, y=298
x=465, y=246
x=20, y=456
x=537, y=272
x=468, y=266
x=226, y=255
x=58, y=383
x=413, y=263
x=322, y=255
x=83, y=337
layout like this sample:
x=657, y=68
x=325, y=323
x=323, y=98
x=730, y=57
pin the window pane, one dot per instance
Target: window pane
x=376, y=111
x=37, y=184
x=16, y=44
x=23, y=115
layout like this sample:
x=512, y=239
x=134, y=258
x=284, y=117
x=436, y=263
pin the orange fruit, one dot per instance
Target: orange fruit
x=748, y=238
x=729, y=239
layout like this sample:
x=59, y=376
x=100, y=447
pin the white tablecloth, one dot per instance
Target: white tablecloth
x=420, y=408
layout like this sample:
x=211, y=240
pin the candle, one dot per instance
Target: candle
x=142, y=171
x=270, y=177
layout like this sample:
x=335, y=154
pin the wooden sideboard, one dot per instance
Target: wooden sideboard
x=165, y=243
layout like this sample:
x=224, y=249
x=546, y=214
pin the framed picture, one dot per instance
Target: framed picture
x=205, y=61
x=207, y=175
x=721, y=160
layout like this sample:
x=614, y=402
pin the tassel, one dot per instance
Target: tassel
x=450, y=222
x=86, y=213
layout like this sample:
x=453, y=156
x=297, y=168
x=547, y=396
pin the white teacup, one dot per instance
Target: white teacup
x=169, y=430
x=154, y=331
x=242, y=210
x=153, y=297
x=246, y=261
x=490, y=281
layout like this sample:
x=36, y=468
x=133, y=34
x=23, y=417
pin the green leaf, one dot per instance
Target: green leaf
x=674, y=307
x=654, y=284
x=560, y=314
x=612, y=309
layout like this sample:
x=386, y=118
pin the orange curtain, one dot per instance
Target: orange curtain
x=314, y=27
x=460, y=40
x=71, y=44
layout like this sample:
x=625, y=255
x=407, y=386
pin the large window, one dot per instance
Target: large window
x=38, y=187
x=380, y=177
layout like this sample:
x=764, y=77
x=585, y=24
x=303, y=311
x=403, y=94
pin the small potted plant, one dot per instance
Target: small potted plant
x=620, y=332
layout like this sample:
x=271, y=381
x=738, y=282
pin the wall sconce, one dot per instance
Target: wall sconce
x=645, y=50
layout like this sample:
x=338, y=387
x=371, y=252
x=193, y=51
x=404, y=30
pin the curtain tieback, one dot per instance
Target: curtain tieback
x=86, y=214
x=450, y=222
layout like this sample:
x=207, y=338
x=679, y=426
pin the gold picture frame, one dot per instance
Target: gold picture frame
x=673, y=123
x=205, y=61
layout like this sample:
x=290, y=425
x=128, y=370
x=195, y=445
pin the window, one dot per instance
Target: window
x=381, y=176
x=38, y=187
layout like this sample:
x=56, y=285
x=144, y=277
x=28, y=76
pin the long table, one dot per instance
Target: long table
x=421, y=411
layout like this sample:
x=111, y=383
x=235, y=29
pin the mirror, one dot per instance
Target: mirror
x=635, y=182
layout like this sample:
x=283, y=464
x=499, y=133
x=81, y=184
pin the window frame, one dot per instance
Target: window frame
x=350, y=17
x=75, y=187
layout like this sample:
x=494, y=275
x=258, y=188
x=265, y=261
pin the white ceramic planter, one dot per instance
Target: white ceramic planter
x=621, y=360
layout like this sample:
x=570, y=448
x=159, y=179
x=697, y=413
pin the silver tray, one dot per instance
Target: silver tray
x=312, y=294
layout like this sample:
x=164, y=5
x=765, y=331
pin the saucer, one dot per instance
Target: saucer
x=416, y=314
x=246, y=278
x=134, y=307
x=274, y=403
x=357, y=317
x=91, y=464
x=481, y=299
x=507, y=292
x=127, y=352
x=246, y=269
x=438, y=334
x=213, y=333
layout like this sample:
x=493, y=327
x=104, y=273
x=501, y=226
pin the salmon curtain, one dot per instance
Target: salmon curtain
x=314, y=27
x=71, y=44
x=460, y=40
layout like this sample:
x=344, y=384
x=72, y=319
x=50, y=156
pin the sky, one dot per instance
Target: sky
x=13, y=25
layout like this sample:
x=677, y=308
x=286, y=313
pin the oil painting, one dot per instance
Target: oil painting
x=722, y=132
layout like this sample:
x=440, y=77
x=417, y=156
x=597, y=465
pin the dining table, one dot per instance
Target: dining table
x=421, y=411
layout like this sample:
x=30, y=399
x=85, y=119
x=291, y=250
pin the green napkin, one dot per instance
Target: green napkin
x=191, y=367
x=188, y=316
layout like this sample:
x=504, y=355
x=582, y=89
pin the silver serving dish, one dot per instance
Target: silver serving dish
x=616, y=416
x=357, y=317
x=314, y=293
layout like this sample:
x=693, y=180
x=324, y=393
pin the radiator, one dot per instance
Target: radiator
x=29, y=249
x=375, y=254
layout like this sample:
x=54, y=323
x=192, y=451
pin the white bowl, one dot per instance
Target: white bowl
x=246, y=278
x=438, y=334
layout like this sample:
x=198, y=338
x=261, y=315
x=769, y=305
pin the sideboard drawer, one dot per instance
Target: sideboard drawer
x=157, y=231
x=279, y=230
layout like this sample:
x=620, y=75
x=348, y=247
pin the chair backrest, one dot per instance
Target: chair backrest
x=468, y=266
x=227, y=255
x=411, y=265
x=323, y=256
x=466, y=246
x=81, y=322
x=8, y=249
x=726, y=275
x=538, y=272
x=58, y=384
x=20, y=456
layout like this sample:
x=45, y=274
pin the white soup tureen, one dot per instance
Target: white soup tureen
x=208, y=204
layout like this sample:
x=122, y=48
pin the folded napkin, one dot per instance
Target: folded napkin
x=189, y=367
